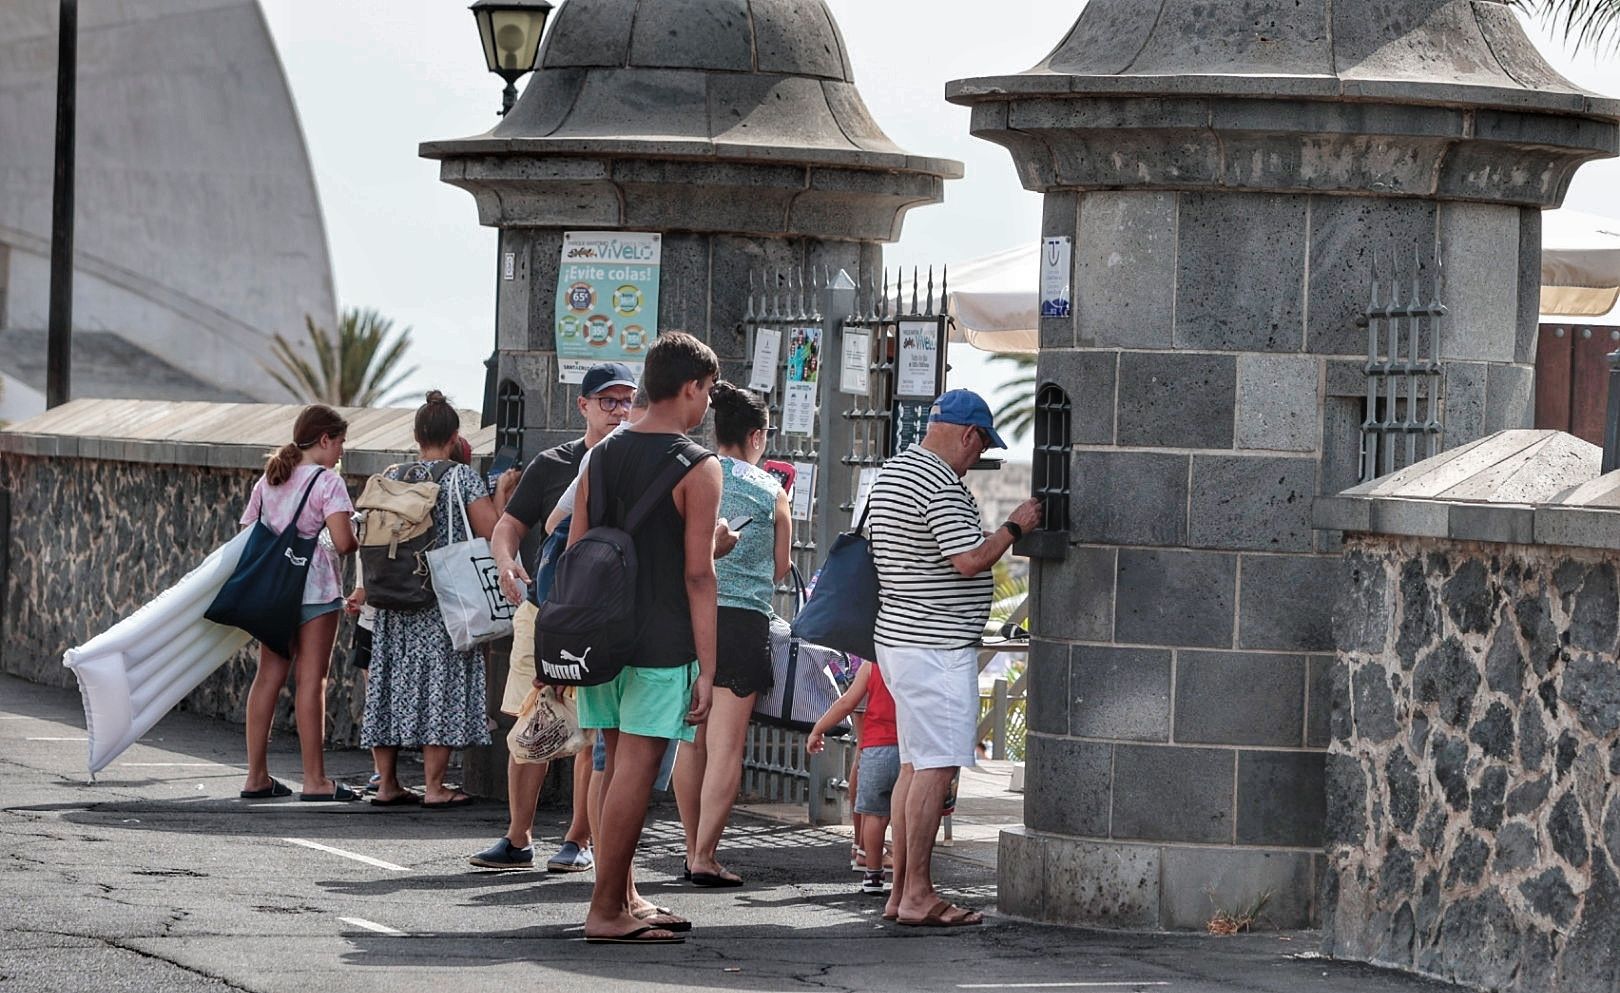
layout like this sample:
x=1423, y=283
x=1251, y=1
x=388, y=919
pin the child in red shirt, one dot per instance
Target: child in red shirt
x=879, y=762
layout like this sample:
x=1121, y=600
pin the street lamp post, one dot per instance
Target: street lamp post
x=511, y=30
x=59, y=336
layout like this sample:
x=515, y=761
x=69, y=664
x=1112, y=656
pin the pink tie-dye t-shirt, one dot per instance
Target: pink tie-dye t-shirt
x=328, y=497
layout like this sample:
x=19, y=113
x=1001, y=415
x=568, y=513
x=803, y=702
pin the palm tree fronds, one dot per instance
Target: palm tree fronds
x=1015, y=417
x=1586, y=23
x=358, y=366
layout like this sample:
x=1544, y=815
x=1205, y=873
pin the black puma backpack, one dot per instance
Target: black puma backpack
x=586, y=630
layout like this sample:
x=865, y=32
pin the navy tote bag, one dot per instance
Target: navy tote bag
x=264, y=594
x=842, y=613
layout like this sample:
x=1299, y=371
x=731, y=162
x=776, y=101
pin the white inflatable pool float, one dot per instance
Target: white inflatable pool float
x=139, y=669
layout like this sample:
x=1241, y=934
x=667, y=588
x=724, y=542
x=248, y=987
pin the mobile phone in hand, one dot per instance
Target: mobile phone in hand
x=784, y=473
x=740, y=523
x=506, y=458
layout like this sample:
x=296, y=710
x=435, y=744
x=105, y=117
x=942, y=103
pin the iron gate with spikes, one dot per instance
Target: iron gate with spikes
x=853, y=424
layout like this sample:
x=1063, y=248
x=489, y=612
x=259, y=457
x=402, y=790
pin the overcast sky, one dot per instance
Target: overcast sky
x=371, y=80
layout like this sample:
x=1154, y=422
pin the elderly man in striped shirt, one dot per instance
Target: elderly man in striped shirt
x=933, y=561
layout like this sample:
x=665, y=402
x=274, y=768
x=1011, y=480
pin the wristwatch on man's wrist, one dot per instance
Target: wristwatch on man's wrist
x=1013, y=529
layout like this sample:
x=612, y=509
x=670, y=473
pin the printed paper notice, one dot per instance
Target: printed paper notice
x=607, y=300
x=863, y=489
x=917, y=371
x=1056, y=254
x=767, y=353
x=799, y=408
x=855, y=362
x=804, y=489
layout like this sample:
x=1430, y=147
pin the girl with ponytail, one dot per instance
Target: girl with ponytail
x=300, y=466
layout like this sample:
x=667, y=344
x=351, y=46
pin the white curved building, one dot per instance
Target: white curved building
x=198, y=230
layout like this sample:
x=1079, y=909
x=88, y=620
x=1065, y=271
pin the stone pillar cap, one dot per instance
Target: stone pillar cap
x=735, y=80
x=1437, y=99
x=1470, y=52
x=737, y=116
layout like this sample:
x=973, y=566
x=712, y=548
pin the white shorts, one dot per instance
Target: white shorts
x=936, y=704
x=520, y=668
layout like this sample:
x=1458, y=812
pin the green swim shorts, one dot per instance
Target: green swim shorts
x=648, y=702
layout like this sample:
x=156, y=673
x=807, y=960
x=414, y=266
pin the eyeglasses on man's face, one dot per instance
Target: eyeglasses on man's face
x=609, y=404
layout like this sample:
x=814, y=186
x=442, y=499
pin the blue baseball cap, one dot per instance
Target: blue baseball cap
x=965, y=407
x=603, y=375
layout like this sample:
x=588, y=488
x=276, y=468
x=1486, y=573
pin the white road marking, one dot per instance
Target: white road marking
x=56, y=739
x=1133, y=984
x=171, y=765
x=367, y=859
x=361, y=922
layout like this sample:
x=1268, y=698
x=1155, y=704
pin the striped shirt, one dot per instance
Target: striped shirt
x=919, y=514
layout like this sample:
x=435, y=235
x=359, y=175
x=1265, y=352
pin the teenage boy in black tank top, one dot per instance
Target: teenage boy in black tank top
x=667, y=693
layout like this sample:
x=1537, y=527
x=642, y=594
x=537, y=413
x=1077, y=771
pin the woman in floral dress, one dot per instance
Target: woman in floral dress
x=421, y=691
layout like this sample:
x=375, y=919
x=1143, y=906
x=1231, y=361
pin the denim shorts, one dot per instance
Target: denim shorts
x=666, y=765
x=880, y=768
x=309, y=611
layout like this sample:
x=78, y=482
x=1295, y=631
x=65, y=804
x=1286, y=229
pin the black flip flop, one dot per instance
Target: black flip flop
x=405, y=799
x=714, y=879
x=671, y=922
x=277, y=788
x=341, y=792
x=636, y=937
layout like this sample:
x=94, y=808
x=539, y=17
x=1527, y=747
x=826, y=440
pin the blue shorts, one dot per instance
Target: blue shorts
x=880, y=769
x=666, y=765
x=309, y=611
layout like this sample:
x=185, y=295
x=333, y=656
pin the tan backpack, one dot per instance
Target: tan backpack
x=396, y=533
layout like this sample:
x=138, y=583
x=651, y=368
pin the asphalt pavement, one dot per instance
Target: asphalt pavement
x=158, y=878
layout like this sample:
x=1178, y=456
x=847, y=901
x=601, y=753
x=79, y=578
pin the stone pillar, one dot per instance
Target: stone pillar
x=733, y=128
x=1227, y=172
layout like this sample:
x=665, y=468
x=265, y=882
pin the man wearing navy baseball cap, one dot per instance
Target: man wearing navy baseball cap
x=933, y=561
x=604, y=375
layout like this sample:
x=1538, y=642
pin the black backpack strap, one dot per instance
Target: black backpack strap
x=596, y=512
x=681, y=462
x=441, y=469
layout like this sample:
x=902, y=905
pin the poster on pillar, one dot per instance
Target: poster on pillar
x=607, y=300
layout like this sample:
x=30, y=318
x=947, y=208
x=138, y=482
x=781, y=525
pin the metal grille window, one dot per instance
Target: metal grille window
x=1053, y=416
x=1402, y=412
x=509, y=415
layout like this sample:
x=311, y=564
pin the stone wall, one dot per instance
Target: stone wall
x=91, y=540
x=1473, y=806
